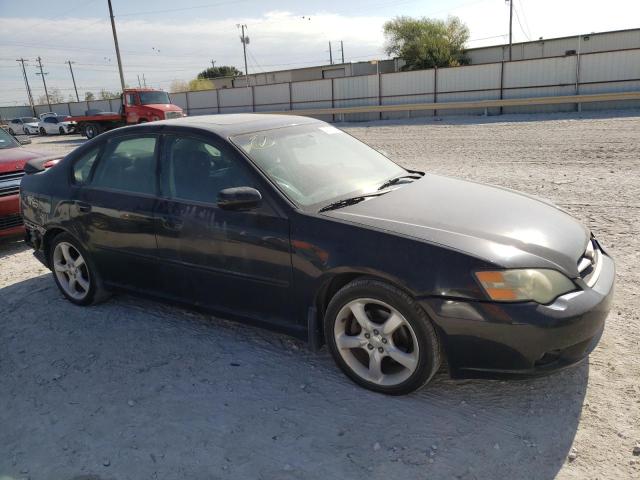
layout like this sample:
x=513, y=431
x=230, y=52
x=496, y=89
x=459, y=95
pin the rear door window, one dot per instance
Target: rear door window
x=128, y=164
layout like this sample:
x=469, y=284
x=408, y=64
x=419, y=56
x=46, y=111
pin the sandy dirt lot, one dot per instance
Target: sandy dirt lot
x=133, y=389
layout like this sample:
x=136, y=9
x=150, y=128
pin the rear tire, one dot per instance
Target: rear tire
x=91, y=130
x=75, y=274
x=10, y=130
x=396, y=351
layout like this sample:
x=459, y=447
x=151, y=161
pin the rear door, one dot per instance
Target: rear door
x=236, y=262
x=114, y=204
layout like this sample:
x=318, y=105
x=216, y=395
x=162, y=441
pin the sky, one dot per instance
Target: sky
x=165, y=40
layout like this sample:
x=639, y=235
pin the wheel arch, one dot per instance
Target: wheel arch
x=48, y=237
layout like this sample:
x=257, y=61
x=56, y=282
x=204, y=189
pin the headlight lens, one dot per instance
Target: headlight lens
x=539, y=285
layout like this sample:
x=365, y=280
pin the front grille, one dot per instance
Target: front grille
x=169, y=115
x=590, y=263
x=10, y=221
x=10, y=183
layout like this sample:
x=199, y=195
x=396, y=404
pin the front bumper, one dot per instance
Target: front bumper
x=490, y=339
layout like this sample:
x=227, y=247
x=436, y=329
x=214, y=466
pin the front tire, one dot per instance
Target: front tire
x=61, y=131
x=381, y=338
x=43, y=132
x=91, y=130
x=74, y=272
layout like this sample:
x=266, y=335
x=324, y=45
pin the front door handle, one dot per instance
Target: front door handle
x=84, y=207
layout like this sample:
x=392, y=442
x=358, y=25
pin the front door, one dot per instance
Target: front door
x=114, y=203
x=236, y=262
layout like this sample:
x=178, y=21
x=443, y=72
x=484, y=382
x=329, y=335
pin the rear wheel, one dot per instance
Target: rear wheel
x=381, y=338
x=91, y=130
x=74, y=272
x=10, y=130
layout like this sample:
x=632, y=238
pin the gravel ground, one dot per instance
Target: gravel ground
x=133, y=389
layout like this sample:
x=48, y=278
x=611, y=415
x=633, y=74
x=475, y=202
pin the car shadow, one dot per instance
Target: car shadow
x=12, y=245
x=137, y=388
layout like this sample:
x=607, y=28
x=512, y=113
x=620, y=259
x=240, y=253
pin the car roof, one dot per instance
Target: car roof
x=227, y=125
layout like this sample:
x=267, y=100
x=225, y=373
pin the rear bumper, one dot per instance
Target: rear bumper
x=484, y=339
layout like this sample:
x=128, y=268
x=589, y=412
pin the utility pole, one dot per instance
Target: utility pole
x=510, y=28
x=46, y=93
x=213, y=64
x=342, y=50
x=115, y=41
x=245, y=42
x=139, y=84
x=74, y=80
x=26, y=82
x=144, y=80
x=330, y=54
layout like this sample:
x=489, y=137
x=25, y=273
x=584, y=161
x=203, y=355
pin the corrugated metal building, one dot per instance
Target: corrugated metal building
x=556, y=47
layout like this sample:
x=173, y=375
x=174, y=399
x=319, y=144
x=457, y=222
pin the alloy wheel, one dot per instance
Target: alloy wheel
x=71, y=270
x=376, y=341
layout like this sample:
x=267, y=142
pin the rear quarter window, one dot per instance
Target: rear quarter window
x=83, y=166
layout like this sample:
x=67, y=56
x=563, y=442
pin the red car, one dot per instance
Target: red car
x=13, y=157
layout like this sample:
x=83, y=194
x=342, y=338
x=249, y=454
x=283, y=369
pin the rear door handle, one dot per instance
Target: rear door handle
x=172, y=223
x=84, y=207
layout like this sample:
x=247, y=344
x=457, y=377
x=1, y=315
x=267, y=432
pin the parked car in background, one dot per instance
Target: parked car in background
x=56, y=125
x=13, y=157
x=26, y=125
x=291, y=223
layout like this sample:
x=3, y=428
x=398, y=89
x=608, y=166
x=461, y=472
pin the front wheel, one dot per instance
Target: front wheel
x=43, y=132
x=73, y=271
x=61, y=131
x=381, y=338
x=25, y=130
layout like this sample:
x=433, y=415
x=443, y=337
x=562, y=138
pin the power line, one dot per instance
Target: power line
x=521, y=28
x=524, y=17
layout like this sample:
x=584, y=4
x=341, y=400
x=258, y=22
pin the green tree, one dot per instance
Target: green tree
x=427, y=43
x=106, y=94
x=88, y=96
x=223, y=71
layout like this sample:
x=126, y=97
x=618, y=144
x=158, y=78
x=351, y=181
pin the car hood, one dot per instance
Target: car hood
x=31, y=124
x=502, y=226
x=12, y=159
x=163, y=107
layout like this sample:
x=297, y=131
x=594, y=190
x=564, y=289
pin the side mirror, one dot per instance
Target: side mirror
x=239, y=198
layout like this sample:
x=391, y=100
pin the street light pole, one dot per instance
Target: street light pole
x=74, y=80
x=510, y=29
x=115, y=41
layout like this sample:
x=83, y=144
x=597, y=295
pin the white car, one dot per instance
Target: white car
x=26, y=125
x=57, y=124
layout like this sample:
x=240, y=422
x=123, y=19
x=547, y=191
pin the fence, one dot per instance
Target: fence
x=592, y=73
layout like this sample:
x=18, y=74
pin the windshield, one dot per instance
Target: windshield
x=316, y=164
x=149, y=98
x=6, y=140
x=29, y=119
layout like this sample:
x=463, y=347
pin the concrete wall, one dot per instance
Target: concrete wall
x=603, y=72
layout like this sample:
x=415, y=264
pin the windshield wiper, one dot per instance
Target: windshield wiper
x=393, y=181
x=345, y=202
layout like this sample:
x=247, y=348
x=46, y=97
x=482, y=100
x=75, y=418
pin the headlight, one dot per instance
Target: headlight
x=519, y=285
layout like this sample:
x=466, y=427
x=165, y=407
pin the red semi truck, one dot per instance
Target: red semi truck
x=139, y=105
